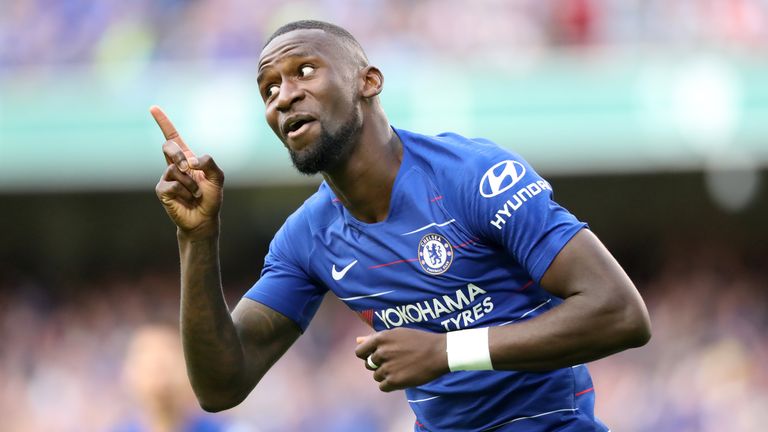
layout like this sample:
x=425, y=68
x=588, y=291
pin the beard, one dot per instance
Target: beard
x=331, y=148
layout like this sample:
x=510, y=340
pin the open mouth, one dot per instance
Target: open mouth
x=297, y=126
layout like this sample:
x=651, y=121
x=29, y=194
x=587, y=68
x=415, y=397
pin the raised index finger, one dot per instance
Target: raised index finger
x=169, y=130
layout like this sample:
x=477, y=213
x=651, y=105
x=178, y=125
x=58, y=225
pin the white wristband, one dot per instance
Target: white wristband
x=468, y=350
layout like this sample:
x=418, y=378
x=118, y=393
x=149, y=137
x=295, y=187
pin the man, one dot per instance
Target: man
x=153, y=373
x=486, y=295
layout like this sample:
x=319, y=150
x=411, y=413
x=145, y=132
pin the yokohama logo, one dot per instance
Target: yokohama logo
x=462, y=301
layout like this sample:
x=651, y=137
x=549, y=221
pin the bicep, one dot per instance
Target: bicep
x=265, y=335
x=585, y=266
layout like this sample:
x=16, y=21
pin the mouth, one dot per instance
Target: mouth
x=296, y=125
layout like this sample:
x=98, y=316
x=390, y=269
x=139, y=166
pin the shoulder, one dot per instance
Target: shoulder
x=448, y=149
x=456, y=162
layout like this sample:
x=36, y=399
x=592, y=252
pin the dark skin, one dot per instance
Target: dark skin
x=308, y=75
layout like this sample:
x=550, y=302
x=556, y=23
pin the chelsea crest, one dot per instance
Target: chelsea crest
x=435, y=254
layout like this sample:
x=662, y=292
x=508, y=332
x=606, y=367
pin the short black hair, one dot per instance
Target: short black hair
x=338, y=32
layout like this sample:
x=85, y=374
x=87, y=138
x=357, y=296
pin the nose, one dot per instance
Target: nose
x=290, y=92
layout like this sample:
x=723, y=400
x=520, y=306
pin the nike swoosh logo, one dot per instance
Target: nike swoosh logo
x=337, y=275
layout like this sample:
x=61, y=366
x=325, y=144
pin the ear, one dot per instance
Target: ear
x=372, y=82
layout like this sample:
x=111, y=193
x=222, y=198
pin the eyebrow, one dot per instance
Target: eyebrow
x=296, y=54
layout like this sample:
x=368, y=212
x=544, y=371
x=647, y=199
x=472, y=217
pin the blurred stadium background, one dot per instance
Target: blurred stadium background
x=650, y=119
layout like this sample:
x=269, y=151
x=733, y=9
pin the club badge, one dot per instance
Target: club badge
x=435, y=254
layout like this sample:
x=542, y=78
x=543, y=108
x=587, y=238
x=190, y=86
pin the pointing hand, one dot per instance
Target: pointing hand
x=191, y=188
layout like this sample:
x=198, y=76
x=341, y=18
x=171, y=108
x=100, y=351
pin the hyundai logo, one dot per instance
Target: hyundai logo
x=501, y=177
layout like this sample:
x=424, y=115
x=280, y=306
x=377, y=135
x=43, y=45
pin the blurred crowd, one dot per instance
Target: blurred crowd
x=45, y=32
x=106, y=357
x=705, y=367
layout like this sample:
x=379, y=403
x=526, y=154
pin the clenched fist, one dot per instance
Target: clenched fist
x=403, y=357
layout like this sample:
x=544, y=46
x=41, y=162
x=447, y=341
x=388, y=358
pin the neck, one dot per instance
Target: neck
x=363, y=182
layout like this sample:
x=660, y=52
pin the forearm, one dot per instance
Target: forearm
x=212, y=349
x=602, y=313
x=575, y=332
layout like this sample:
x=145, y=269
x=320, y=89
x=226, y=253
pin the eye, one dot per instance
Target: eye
x=272, y=90
x=306, y=71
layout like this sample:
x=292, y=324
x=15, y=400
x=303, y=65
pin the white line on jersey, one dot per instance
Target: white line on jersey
x=530, y=417
x=526, y=314
x=423, y=400
x=430, y=226
x=366, y=296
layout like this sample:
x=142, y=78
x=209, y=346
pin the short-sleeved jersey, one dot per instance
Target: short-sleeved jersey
x=471, y=230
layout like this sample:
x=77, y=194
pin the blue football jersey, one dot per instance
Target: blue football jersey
x=471, y=230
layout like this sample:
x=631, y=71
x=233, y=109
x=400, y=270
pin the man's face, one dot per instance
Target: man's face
x=310, y=91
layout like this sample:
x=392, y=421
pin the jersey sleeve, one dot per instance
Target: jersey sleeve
x=509, y=204
x=284, y=284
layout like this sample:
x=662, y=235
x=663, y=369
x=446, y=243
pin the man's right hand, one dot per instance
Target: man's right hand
x=191, y=188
